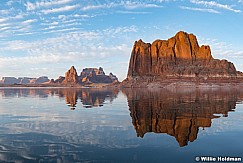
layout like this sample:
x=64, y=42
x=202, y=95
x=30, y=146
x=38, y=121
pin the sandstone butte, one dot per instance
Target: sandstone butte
x=177, y=60
x=87, y=76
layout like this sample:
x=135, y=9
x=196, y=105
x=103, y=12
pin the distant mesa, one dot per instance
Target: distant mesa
x=24, y=80
x=179, y=57
x=87, y=76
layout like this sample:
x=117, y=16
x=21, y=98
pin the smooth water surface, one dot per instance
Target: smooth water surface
x=94, y=125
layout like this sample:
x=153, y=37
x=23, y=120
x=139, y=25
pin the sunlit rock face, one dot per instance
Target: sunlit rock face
x=178, y=114
x=179, y=56
x=71, y=76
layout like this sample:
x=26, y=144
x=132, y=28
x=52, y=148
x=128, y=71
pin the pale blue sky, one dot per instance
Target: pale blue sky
x=47, y=37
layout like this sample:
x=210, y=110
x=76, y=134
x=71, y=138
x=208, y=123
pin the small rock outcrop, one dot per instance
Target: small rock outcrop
x=179, y=56
x=94, y=75
x=41, y=80
x=59, y=80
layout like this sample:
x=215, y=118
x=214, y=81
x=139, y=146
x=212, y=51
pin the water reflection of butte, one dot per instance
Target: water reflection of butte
x=177, y=114
x=71, y=98
x=89, y=97
x=24, y=92
x=96, y=97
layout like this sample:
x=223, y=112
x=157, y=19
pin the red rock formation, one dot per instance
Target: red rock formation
x=178, y=56
x=94, y=75
x=87, y=76
x=71, y=76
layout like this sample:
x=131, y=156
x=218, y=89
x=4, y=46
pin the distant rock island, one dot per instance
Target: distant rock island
x=89, y=76
x=178, y=59
x=24, y=80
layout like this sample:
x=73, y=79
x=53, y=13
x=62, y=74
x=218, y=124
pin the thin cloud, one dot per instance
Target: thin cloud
x=95, y=7
x=61, y=9
x=4, y=28
x=3, y=20
x=215, y=4
x=125, y=4
x=32, y=6
x=220, y=49
x=29, y=21
x=135, y=5
x=4, y=12
x=132, y=12
x=119, y=30
x=199, y=9
x=51, y=3
x=163, y=0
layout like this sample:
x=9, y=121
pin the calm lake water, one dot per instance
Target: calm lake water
x=93, y=125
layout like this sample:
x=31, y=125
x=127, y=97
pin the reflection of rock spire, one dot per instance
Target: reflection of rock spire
x=71, y=98
x=96, y=97
x=179, y=115
x=89, y=97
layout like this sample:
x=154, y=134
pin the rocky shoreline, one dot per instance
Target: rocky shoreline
x=148, y=82
x=143, y=85
x=93, y=85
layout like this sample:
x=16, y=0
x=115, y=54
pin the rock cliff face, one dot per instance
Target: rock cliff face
x=179, y=56
x=179, y=114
